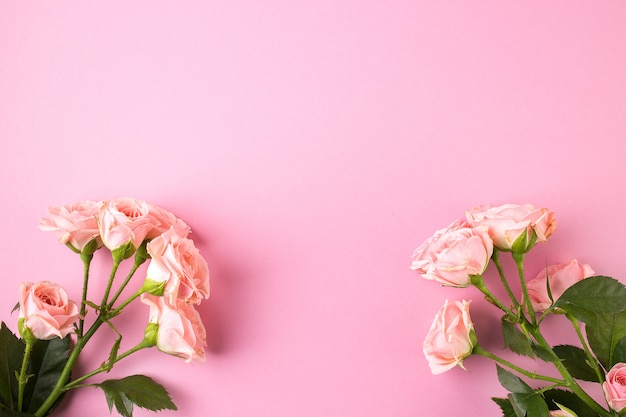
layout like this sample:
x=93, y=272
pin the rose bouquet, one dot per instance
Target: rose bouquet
x=595, y=307
x=39, y=367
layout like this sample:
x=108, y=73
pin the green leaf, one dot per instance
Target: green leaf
x=569, y=400
x=512, y=382
x=592, y=296
x=619, y=351
x=528, y=404
x=11, y=354
x=506, y=406
x=11, y=413
x=603, y=335
x=576, y=362
x=136, y=389
x=515, y=339
x=48, y=359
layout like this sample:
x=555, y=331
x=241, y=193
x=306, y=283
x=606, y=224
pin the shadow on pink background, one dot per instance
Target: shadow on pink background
x=312, y=146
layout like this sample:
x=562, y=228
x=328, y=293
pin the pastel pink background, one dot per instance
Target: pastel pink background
x=312, y=146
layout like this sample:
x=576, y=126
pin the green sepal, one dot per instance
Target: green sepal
x=123, y=252
x=151, y=334
x=137, y=390
x=524, y=242
x=25, y=332
x=153, y=287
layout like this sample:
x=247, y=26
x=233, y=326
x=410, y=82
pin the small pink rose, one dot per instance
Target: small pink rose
x=561, y=277
x=449, y=339
x=615, y=387
x=163, y=221
x=124, y=221
x=178, y=263
x=453, y=254
x=514, y=227
x=180, y=329
x=46, y=310
x=75, y=224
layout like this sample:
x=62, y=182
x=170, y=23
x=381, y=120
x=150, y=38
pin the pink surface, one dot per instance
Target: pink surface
x=312, y=146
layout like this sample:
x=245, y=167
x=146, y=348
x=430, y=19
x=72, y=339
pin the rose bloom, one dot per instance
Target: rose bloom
x=163, y=221
x=452, y=254
x=46, y=310
x=615, y=387
x=561, y=277
x=124, y=221
x=180, y=329
x=513, y=227
x=75, y=224
x=177, y=262
x=449, y=339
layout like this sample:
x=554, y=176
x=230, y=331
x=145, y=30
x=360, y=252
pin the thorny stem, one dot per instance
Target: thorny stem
x=86, y=258
x=496, y=261
x=23, y=378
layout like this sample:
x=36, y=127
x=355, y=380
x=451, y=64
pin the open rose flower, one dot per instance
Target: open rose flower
x=46, y=310
x=452, y=255
x=163, y=221
x=449, y=339
x=561, y=277
x=615, y=387
x=75, y=225
x=180, y=331
x=514, y=227
x=125, y=221
x=177, y=263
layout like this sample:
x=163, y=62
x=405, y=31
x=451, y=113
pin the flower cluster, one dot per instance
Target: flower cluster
x=54, y=329
x=459, y=255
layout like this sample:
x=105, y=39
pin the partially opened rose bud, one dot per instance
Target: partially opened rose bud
x=451, y=337
x=175, y=329
x=176, y=270
x=561, y=277
x=452, y=255
x=615, y=387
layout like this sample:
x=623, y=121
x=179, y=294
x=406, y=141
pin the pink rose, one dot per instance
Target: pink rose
x=180, y=330
x=452, y=254
x=46, y=310
x=178, y=263
x=163, y=221
x=75, y=224
x=561, y=277
x=124, y=221
x=615, y=387
x=513, y=227
x=449, y=339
